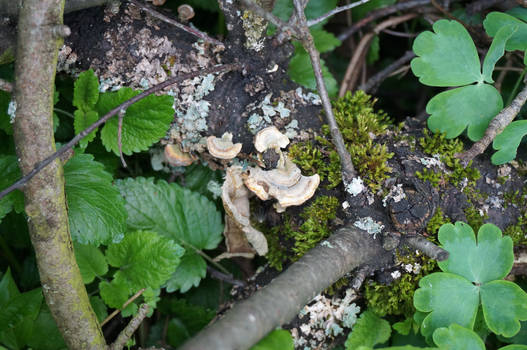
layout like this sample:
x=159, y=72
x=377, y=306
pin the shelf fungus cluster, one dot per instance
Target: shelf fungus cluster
x=284, y=182
x=223, y=148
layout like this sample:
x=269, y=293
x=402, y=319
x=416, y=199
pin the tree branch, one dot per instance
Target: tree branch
x=373, y=83
x=127, y=333
x=11, y=7
x=504, y=118
x=42, y=164
x=345, y=250
x=45, y=201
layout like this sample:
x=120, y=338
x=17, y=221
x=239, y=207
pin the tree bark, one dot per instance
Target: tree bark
x=279, y=301
x=62, y=283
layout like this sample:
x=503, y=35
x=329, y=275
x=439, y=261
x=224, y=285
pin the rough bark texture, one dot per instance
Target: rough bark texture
x=345, y=250
x=44, y=195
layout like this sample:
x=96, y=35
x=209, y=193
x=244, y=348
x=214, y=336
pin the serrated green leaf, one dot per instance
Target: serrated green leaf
x=471, y=106
x=86, y=91
x=95, y=208
x=456, y=337
x=470, y=260
x=82, y=121
x=503, y=304
x=185, y=216
x=301, y=72
x=277, y=339
x=447, y=57
x=144, y=123
x=188, y=274
x=369, y=330
x=497, y=20
x=496, y=50
x=98, y=306
x=10, y=173
x=508, y=141
x=145, y=258
x=448, y=298
x=91, y=262
x=324, y=41
x=115, y=293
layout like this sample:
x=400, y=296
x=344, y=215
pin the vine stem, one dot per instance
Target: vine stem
x=41, y=165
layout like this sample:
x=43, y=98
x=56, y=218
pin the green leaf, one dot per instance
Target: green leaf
x=91, y=262
x=185, y=216
x=496, y=50
x=115, y=293
x=99, y=308
x=46, y=335
x=86, y=91
x=20, y=307
x=369, y=330
x=95, y=208
x=508, y=141
x=144, y=123
x=82, y=121
x=373, y=52
x=514, y=347
x=324, y=41
x=456, y=337
x=194, y=317
x=8, y=288
x=449, y=298
x=497, y=20
x=10, y=173
x=470, y=260
x=277, y=339
x=177, y=332
x=145, y=259
x=447, y=57
x=471, y=106
x=301, y=72
x=188, y=274
x=503, y=303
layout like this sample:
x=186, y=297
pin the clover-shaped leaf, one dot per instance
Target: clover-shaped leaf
x=497, y=20
x=473, y=106
x=508, y=141
x=456, y=337
x=448, y=57
x=472, y=276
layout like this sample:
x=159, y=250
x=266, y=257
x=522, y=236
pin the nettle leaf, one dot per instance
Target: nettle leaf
x=91, y=262
x=95, y=208
x=82, y=121
x=189, y=273
x=145, y=259
x=447, y=57
x=369, y=331
x=497, y=20
x=324, y=41
x=115, y=293
x=86, y=91
x=10, y=173
x=508, y=141
x=496, y=50
x=144, y=123
x=456, y=337
x=301, y=72
x=472, y=275
x=471, y=106
x=277, y=339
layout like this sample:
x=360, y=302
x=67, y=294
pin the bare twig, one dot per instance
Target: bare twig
x=333, y=12
x=348, y=171
x=500, y=121
x=372, y=84
x=400, y=34
x=175, y=23
x=115, y=312
x=385, y=11
x=6, y=86
x=360, y=276
x=110, y=114
x=350, y=77
x=119, y=136
x=129, y=330
x=225, y=277
x=424, y=245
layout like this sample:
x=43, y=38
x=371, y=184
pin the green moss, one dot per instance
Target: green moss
x=358, y=123
x=433, y=144
x=474, y=218
x=436, y=221
x=397, y=297
x=518, y=230
x=314, y=229
x=430, y=175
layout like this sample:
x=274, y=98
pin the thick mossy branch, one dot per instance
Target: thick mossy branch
x=62, y=283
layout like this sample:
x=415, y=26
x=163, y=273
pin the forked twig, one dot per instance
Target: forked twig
x=110, y=114
x=129, y=330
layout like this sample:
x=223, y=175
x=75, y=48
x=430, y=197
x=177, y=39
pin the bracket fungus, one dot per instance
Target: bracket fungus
x=270, y=137
x=223, y=148
x=235, y=198
x=176, y=157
